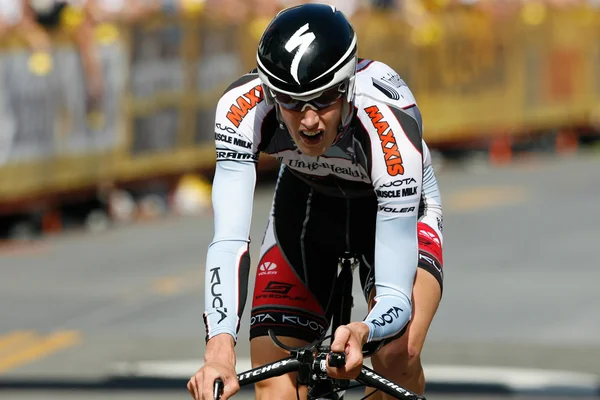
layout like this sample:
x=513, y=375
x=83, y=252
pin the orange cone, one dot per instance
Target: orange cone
x=567, y=142
x=500, y=151
x=51, y=222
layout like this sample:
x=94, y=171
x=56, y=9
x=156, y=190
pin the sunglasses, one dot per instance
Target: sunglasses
x=321, y=101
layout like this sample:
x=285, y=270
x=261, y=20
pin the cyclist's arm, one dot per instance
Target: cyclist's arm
x=430, y=210
x=396, y=258
x=228, y=260
x=397, y=174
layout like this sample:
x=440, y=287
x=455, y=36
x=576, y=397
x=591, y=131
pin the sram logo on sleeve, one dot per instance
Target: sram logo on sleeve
x=243, y=104
x=393, y=159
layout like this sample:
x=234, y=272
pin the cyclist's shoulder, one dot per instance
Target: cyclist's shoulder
x=386, y=108
x=378, y=82
x=248, y=80
x=241, y=99
x=245, y=89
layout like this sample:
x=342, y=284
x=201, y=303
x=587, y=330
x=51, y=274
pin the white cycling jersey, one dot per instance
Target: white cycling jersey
x=381, y=152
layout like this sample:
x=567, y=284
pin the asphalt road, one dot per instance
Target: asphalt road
x=521, y=285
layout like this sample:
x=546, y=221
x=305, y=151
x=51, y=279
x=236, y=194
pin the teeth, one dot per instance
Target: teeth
x=311, y=133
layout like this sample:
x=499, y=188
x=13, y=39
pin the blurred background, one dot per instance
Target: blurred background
x=106, y=159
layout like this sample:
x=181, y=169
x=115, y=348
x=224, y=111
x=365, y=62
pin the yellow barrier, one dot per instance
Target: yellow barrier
x=472, y=77
x=476, y=78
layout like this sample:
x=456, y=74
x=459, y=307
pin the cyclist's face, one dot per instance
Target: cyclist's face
x=313, y=130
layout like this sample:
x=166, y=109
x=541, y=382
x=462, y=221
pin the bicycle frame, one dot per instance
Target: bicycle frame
x=343, y=293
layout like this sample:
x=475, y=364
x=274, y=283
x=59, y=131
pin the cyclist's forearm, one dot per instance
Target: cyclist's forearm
x=396, y=256
x=226, y=281
x=220, y=347
x=228, y=260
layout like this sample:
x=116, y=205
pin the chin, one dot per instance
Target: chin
x=312, y=150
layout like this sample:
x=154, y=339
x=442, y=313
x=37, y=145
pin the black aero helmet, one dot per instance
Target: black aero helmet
x=306, y=50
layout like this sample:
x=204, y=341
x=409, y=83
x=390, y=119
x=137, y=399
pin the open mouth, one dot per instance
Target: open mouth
x=313, y=137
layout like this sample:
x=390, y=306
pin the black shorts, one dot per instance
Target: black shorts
x=306, y=234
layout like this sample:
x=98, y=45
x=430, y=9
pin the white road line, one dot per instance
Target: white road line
x=515, y=379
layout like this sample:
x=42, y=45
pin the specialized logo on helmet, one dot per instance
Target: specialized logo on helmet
x=393, y=159
x=301, y=41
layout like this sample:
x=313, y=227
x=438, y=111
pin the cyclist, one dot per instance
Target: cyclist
x=355, y=177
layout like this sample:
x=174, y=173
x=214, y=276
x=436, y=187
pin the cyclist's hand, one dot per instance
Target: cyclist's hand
x=349, y=339
x=201, y=385
x=219, y=363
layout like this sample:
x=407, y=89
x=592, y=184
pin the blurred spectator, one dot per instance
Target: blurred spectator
x=266, y=8
x=233, y=11
x=15, y=18
x=124, y=11
x=261, y=13
x=383, y=4
x=185, y=7
x=496, y=9
x=11, y=13
x=75, y=17
x=348, y=7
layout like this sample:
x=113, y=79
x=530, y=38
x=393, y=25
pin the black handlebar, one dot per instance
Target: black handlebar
x=310, y=362
x=336, y=360
x=218, y=388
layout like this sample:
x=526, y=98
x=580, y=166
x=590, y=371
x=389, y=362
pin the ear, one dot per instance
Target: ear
x=269, y=100
x=351, y=87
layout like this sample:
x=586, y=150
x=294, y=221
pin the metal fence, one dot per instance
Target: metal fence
x=472, y=77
